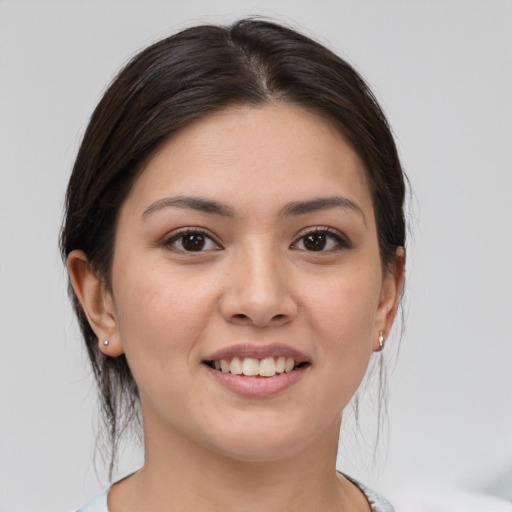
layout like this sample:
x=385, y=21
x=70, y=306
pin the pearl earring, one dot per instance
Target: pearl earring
x=105, y=343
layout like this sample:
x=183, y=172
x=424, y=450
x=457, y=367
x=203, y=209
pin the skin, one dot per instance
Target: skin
x=255, y=282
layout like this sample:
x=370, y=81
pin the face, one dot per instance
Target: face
x=249, y=244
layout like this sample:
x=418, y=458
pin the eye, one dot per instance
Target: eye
x=320, y=239
x=191, y=241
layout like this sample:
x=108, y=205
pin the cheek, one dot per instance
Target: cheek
x=160, y=317
x=346, y=303
x=342, y=315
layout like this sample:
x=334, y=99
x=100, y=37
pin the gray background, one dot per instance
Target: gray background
x=443, y=73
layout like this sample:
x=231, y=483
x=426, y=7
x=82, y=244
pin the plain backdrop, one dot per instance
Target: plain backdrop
x=442, y=71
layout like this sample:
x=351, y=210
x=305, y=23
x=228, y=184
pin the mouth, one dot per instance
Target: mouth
x=253, y=367
x=257, y=370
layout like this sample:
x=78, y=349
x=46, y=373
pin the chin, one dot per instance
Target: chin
x=259, y=450
x=266, y=441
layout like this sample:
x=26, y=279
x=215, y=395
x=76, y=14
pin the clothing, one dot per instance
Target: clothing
x=98, y=504
x=377, y=502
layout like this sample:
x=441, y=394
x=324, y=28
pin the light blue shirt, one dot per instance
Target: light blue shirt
x=98, y=504
x=377, y=502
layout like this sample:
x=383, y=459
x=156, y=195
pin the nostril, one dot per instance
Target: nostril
x=241, y=317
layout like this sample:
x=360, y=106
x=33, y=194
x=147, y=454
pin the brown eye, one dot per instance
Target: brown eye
x=315, y=241
x=320, y=240
x=191, y=241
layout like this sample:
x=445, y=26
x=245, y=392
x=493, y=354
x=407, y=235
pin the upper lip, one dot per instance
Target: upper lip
x=257, y=351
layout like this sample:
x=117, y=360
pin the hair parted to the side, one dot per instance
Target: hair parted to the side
x=184, y=78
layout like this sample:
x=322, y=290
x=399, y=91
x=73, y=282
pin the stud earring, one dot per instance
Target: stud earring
x=381, y=341
x=105, y=343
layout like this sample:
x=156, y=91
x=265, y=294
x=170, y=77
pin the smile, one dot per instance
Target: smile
x=252, y=367
x=257, y=370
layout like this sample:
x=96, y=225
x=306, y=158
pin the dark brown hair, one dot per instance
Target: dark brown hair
x=182, y=79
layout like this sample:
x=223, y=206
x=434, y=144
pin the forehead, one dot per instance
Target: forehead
x=254, y=154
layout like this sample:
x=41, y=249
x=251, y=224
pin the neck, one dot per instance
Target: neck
x=179, y=474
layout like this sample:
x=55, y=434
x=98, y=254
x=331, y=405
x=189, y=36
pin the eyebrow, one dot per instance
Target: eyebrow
x=294, y=208
x=321, y=203
x=193, y=203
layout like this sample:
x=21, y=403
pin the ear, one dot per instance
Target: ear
x=96, y=301
x=391, y=290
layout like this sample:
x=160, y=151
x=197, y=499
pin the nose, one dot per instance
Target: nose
x=258, y=290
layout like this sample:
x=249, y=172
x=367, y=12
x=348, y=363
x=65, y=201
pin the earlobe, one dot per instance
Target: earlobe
x=389, y=299
x=96, y=303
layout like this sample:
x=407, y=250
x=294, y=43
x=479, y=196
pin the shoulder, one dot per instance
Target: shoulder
x=377, y=502
x=98, y=504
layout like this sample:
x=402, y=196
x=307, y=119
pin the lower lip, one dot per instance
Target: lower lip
x=257, y=386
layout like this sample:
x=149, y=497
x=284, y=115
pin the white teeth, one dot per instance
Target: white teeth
x=288, y=366
x=252, y=367
x=267, y=367
x=280, y=364
x=235, y=366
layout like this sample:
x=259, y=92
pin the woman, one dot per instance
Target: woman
x=235, y=237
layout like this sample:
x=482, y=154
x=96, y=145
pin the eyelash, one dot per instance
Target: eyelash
x=340, y=242
x=169, y=242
